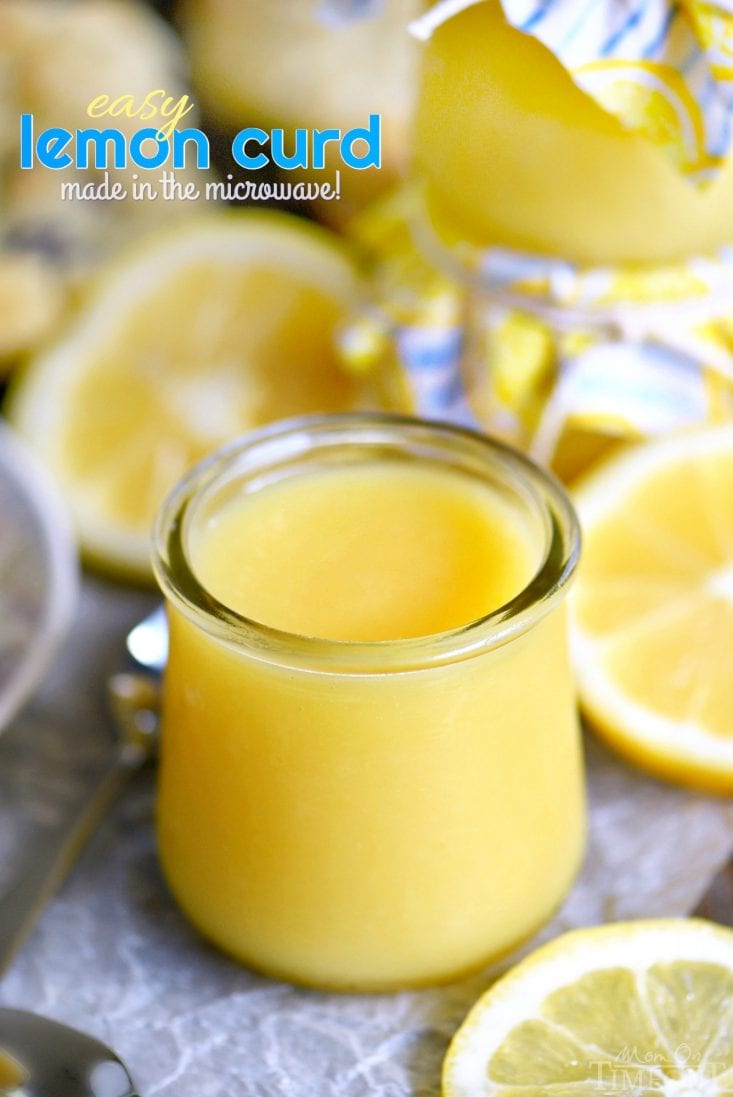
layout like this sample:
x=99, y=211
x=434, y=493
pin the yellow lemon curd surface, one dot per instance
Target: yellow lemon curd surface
x=382, y=827
x=514, y=153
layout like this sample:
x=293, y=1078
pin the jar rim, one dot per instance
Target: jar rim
x=295, y=437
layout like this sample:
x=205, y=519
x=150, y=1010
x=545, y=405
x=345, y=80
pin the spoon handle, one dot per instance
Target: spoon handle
x=134, y=700
x=23, y=901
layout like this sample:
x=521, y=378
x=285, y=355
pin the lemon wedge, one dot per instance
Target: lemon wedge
x=635, y=1008
x=208, y=329
x=652, y=610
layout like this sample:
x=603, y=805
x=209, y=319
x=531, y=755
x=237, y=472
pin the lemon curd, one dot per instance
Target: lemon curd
x=398, y=550
x=512, y=152
x=370, y=771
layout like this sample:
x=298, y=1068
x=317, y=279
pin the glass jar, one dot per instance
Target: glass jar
x=369, y=814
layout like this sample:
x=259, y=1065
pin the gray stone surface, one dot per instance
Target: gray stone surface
x=112, y=954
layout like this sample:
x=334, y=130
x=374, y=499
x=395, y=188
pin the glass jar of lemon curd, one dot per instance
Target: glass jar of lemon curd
x=371, y=773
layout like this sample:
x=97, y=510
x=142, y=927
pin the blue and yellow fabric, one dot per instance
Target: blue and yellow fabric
x=532, y=344
x=526, y=344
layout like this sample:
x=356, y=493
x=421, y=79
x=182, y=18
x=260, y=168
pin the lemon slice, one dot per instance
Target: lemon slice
x=643, y=1009
x=652, y=611
x=209, y=329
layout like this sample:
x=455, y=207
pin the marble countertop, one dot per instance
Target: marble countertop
x=112, y=954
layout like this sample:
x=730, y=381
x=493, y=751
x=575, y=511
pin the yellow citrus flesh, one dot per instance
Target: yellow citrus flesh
x=652, y=610
x=642, y=1008
x=211, y=329
x=279, y=63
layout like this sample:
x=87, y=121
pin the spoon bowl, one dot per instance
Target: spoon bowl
x=58, y=1061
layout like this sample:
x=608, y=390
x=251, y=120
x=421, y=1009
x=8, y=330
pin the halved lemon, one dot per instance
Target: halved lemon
x=279, y=63
x=635, y=1008
x=652, y=610
x=208, y=329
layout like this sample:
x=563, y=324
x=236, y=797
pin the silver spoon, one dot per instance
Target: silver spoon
x=134, y=699
x=53, y=1060
x=45, y=1058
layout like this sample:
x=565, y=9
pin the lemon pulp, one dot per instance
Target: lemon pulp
x=212, y=328
x=652, y=612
